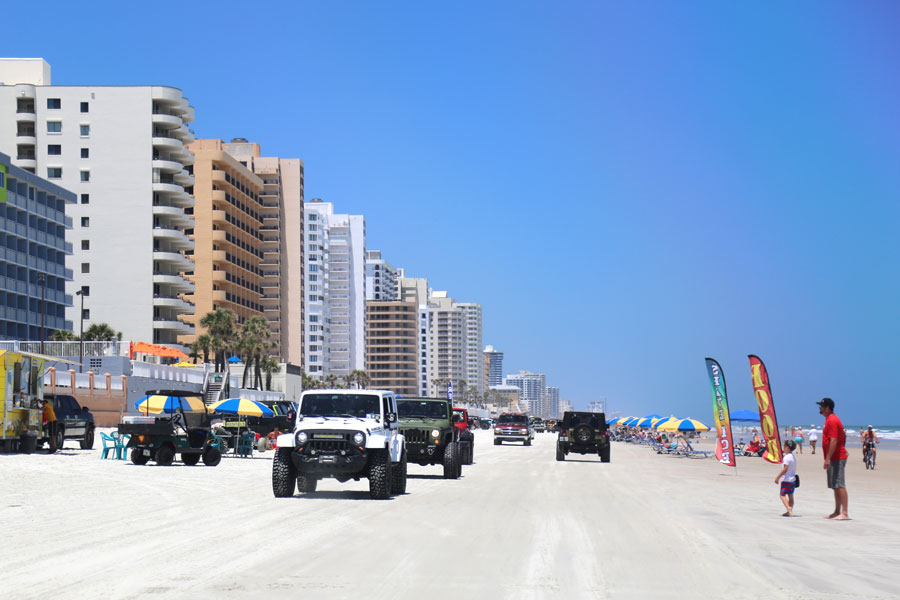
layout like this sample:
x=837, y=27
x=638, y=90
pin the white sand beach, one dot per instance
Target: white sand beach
x=518, y=524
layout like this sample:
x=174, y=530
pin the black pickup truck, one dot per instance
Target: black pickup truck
x=74, y=422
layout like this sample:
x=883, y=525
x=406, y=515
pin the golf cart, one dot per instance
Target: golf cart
x=180, y=426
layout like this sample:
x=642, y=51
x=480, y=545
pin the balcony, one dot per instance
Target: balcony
x=165, y=121
x=169, y=143
x=168, y=188
x=26, y=138
x=26, y=162
x=219, y=276
x=183, y=178
x=24, y=115
x=166, y=166
x=172, y=215
x=218, y=216
x=176, y=304
x=179, y=261
x=175, y=238
x=163, y=323
x=179, y=283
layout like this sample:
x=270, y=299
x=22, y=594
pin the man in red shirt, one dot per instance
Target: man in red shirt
x=833, y=438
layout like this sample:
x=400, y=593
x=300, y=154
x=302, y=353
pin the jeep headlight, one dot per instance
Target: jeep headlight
x=359, y=438
x=435, y=433
x=302, y=437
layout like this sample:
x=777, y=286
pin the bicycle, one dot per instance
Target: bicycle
x=869, y=456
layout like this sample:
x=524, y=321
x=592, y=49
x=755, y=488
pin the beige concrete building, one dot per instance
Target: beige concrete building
x=227, y=236
x=281, y=207
x=391, y=346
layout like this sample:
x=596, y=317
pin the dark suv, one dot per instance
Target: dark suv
x=584, y=433
x=74, y=422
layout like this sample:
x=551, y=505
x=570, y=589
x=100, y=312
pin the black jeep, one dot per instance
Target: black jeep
x=584, y=433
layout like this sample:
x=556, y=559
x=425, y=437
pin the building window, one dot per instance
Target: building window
x=54, y=172
x=85, y=175
x=312, y=217
x=313, y=267
x=85, y=153
x=85, y=221
x=54, y=150
x=313, y=318
x=54, y=103
x=85, y=198
x=84, y=107
x=313, y=237
x=85, y=244
x=85, y=130
x=313, y=227
x=85, y=267
x=313, y=277
x=54, y=126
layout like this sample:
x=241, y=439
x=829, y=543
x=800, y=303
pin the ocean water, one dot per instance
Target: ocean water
x=888, y=435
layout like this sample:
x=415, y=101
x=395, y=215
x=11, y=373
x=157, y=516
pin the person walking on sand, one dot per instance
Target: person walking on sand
x=787, y=477
x=798, y=439
x=835, y=454
x=812, y=437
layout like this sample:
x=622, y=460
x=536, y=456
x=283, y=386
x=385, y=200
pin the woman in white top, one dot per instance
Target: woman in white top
x=812, y=437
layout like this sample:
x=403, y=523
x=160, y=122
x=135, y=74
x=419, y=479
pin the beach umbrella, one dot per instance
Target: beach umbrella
x=745, y=415
x=661, y=423
x=611, y=421
x=234, y=359
x=241, y=406
x=622, y=420
x=648, y=420
x=684, y=425
x=156, y=404
x=184, y=363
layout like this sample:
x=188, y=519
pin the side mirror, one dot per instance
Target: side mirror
x=456, y=418
x=85, y=409
x=392, y=417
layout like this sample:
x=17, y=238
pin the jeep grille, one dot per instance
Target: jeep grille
x=417, y=436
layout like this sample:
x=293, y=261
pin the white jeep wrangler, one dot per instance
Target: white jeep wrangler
x=345, y=434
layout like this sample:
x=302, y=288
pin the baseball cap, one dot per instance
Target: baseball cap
x=870, y=427
x=826, y=402
x=791, y=444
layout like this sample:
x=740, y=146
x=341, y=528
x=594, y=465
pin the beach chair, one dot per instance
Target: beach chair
x=245, y=444
x=121, y=445
x=690, y=452
x=668, y=449
x=217, y=443
x=110, y=445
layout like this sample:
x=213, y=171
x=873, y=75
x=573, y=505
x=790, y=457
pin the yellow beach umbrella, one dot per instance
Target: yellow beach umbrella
x=184, y=363
x=683, y=425
x=241, y=406
x=157, y=404
x=661, y=423
x=622, y=420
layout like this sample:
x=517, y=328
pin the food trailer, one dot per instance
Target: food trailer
x=20, y=396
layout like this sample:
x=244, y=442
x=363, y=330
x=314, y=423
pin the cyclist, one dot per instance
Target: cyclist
x=869, y=439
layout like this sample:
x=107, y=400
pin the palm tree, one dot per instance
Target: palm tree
x=361, y=378
x=348, y=379
x=270, y=366
x=220, y=326
x=307, y=382
x=200, y=347
x=63, y=335
x=331, y=380
x=102, y=332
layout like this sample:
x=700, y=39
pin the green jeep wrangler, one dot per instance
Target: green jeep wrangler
x=584, y=433
x=431, y=438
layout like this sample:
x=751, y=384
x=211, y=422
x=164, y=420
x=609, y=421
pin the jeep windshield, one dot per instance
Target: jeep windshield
x=413, y=409
x=341, y=405
x=513, y=420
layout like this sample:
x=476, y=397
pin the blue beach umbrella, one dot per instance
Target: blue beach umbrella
x=241, y=406
x=611, y=421
x=632, y=422
x=648, y=420
x=234, y=359
x=745, y=415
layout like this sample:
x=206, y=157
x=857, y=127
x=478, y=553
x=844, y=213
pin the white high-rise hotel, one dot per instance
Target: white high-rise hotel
x=534, y=391
x=121, y=150
x=474, y=358
x=335, y=282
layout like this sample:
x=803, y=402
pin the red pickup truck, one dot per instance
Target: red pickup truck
x=513, y=427
x=466, y=437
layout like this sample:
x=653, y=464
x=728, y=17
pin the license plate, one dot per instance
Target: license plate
x=146, y=452
x=563, y=438
x=326, y=459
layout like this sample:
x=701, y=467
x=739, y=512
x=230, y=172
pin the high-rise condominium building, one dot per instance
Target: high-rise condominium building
x=391, y=346
x=381, y=278
x=121, y=150
x=228, y=236
x=552, y=403
x=33, y=250
x=334, y=246
x=415, y=291
x=534, y=391
x=281, y=207
x=494, y=362
x=447, y=343
x=472, y=346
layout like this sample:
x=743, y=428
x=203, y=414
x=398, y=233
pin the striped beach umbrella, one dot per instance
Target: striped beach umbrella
x=155, y=404
x=241, y=406
x=661, y=423
x=622, y=420
x=611, y=421
x=648, y=420
x=683, y=425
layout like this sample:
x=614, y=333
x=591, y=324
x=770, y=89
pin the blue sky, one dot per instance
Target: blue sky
x=626, y=188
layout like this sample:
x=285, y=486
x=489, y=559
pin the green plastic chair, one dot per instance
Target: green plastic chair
x=110, y=444
x=245, y=444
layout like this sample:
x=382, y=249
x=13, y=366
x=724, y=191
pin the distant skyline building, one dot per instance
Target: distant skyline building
x=493, y=359
x=446, y=339
x=472, y=346
x=534, y=391
x=121, y=150
x=33, y=254
x=552, y=403
x=381, y=278
x=335, y=291
x=282, y=264
x=415, y=291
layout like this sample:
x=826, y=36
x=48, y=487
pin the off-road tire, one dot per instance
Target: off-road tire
x=306, y=484
x=88, y=442
x=398, y=476
x=190, y=459
x=380, y=476
x=138, y=458
x=212, y=457
x=560, y=452
x=452, y=465
x=470, y=453
x=604, y=453
x=497, y=442
x=284, y=475
x=165, y=456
